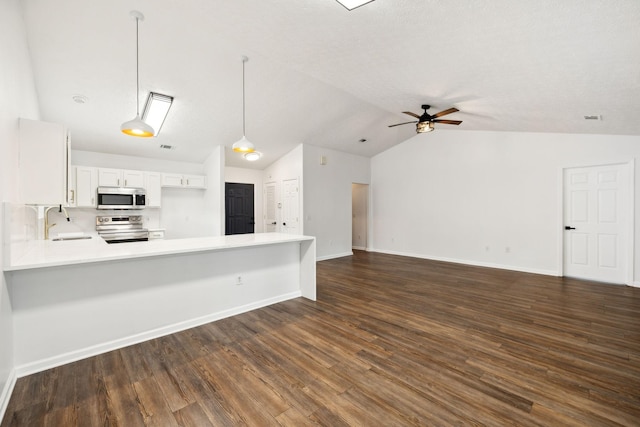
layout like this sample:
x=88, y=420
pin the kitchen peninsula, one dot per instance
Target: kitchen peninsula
x=77, y=298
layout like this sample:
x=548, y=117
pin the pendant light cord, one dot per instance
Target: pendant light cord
x=244, y=133
x=137, y=71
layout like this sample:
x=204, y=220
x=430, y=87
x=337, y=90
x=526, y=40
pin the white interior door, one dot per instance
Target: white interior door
x=290, y=206
x=270, y=207
x=596, y=221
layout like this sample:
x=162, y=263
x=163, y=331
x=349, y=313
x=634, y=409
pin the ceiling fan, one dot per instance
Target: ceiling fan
x=425, y=121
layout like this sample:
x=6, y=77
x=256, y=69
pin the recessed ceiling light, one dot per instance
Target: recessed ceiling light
x=80, y=99
x=352, y=4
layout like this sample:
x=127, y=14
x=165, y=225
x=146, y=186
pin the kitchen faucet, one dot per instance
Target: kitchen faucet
x=47, y=226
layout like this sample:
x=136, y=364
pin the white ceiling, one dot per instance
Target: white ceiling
x=322, y=75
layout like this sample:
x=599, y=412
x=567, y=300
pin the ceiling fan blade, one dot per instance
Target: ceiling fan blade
x=448, y=122
x=445, y=112
x=412, y=114
x=405, y=123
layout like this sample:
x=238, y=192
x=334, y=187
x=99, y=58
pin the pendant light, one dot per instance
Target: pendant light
x=243, y=145
x=137, y=127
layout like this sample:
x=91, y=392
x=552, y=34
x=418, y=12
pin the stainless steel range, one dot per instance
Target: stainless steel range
x=121, y=228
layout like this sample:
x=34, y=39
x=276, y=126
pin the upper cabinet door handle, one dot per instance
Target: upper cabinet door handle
x=566, y=227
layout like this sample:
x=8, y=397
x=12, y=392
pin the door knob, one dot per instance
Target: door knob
x=274, y=223
x=284, y=223
x=566, y=227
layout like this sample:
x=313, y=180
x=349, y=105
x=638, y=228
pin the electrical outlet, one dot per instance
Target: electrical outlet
x=239, y=280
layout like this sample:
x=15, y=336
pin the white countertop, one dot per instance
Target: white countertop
x=47, y=253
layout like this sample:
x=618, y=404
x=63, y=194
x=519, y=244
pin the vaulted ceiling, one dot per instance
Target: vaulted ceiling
x=322, y=75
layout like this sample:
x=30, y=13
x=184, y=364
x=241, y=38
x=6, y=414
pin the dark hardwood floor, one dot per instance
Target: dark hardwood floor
x=391, y=341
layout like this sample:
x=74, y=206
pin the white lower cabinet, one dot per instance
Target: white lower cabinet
x=85, y=185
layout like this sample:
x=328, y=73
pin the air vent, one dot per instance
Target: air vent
x=167, y=147
x=593, y=117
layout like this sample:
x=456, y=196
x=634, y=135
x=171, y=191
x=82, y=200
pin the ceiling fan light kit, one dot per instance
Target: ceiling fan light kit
x=243, y=145
x=137, y=127
x=424, y=127
x=426, y=121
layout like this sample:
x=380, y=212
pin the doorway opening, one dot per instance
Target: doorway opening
x=239, y=208
x=359, y=216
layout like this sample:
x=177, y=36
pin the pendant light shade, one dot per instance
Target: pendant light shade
x=137, y=127
x=243, y=145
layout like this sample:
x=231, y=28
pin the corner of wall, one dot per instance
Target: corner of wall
x=214, y=196
x=7, y=369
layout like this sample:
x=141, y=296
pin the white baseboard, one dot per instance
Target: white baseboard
x=73, y=356
x=332, y=256
x=6, y=393
x=473, y=263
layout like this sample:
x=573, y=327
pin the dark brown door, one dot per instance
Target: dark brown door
x=239, y=212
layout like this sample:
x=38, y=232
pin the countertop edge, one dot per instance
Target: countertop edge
x=45, y=253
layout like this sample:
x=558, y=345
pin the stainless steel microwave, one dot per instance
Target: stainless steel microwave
x=121, y=198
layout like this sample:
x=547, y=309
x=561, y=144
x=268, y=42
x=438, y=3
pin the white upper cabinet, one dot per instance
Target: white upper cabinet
x=195, y=181
x=183, y=181
x=153, y=186
x=172, y=180
x=133, y=178
x=120, y=178
x=43, y=168
x=84, y=187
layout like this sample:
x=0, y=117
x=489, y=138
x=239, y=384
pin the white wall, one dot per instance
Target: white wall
x=17, y=99
x=328, y=196
x=249, y=176
x=451, y=194
x=213, y=168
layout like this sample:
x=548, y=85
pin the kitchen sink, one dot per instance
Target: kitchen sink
x=61, y=239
